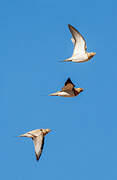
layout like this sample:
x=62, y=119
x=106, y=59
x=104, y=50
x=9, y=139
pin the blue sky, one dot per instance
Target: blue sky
x=33, y=37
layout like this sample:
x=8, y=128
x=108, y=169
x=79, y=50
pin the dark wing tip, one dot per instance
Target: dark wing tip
x=37, y=157
x=68, y=81
x=70, y=26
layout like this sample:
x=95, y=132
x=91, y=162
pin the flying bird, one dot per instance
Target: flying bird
x=68, y=90
x=79, y=53
x=37, y=136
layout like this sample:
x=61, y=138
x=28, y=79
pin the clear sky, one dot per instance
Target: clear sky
x=34, y=36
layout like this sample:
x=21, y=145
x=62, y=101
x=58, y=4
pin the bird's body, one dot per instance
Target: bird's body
x=78, y=58
x=63, y=94
x=68, y=90
x=38, y=139
x=79, y=53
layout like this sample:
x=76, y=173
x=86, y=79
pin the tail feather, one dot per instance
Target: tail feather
x=66, y=60
x=54, y=94
x=25, y=135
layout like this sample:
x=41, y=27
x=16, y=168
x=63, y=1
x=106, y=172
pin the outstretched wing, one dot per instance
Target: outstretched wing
x=78, y=41
x=69, y=86
x=38, y=143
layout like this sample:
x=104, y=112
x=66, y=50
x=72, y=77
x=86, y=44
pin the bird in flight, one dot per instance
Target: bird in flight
x=79, y=53
x=68, y=90
x=37, y=136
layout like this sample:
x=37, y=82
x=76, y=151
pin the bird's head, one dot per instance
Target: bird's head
x=90, y=55
x=79, y=90
x=46, y=131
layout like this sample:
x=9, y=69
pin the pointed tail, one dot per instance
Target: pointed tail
x=54, y=94
x=25, y=135
x=66, y=60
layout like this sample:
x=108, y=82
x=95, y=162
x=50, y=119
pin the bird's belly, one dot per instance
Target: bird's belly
x=65, y=94
x=81, y=58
